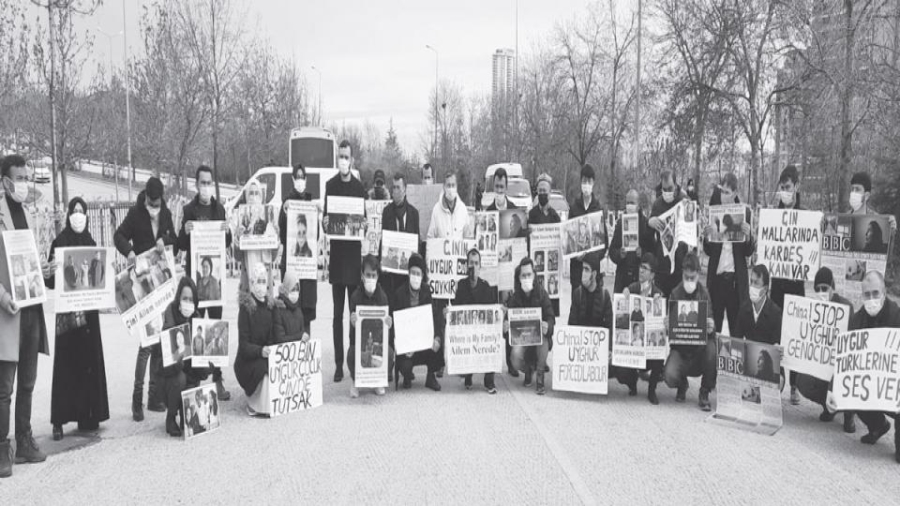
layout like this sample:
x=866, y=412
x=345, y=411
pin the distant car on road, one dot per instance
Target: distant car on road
x=41, y=174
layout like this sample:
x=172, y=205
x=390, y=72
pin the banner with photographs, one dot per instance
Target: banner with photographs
x=209, y=342
x=808, y=330
x=176, y=344
x=628, y=346
x=630, y=232
x=143, y=290
x=413, y=329
x=581, y=359
x=789, y=243
x=25, y=274
x=852, y=245
x=396, y=248
x=866, y=375
x=747, y=393
x=374, y=212
x=545, y=252
x=346, y=218
x=257, y=227
x=487, y=236
x=301, y=247
x=201, y=410
x=294, y=382
x=681, y=222
x=208, y=262
x=371, y=347
x=446, y=265
x=687, y=322
x=513, y=223
x=727, y=220
x=85, y=279
x=424, y=197
x=583, y=234
x=473, y=339
x=524, y=326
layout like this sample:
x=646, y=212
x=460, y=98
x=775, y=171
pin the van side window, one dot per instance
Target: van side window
x=287, y=185
x=268, y=181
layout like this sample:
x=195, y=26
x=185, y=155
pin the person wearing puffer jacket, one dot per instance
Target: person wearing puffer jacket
x=289, y=324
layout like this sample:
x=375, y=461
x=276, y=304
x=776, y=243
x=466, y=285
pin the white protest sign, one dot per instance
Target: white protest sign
x=85, y=279
x=371, y=347
x=581, y=359
x=808, y=330
x=413, y=329
x=208, y=262
x=25, y=275
x=867, y=370
x=789, y=243
x=301, y=238
x=446, y=265
x=473, y=340
x=295, y=377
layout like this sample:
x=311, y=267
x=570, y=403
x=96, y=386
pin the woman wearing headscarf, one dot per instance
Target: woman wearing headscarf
x=255, y=322
x=180, y=375
x=79, y=375
x=289, y=324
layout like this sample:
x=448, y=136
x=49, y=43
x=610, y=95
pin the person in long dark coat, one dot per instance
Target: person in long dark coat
x=255, y=324
x=79, y=375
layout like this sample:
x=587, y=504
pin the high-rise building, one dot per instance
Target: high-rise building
x=504, y=80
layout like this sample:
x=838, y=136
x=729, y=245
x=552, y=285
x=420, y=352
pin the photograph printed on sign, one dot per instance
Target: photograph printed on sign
x=346, y=218
x=727, y=221
x=524, y=326
x=84, y=279
x=26, y=276
x=513, y=223
x=210, y=275
x=201, y=410
x=301, y=238
x=84, y=269
x=209, y=343
x=176, y=344
x=257, y=227
x=149, y=271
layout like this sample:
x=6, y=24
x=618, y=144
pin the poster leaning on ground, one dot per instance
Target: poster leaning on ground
x=747, y=393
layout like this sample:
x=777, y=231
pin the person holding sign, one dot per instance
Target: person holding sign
x=413, y=293
x=529, y=359
x=342, y=274
x=147, y=225
x=255, y=324
x=398, y=216
x=79, y=373
x=687, y=360
x=628, y=263
x=878, y=312
x=368, y=294
x=288, y=321
x=669, y=195
x=860, y=192
x=475, y=290
x=543, y=213
x=726, y=274
x=587, y=204
x=759, y=318
x=645, y=286
x=308, y=287
x=180, y=375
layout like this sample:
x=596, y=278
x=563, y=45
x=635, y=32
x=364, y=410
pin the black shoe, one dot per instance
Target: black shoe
x=137, y=412
x=407, y=383
x=540, y=383
x=897, y=446
x=224, y=395
x=546, y=368
x=632, y=388
x=440, y=373
x=826, y=416
x=704, y=400
x=27, y=451
x=157, y=407
x=174, y=431
x=468, y=382
x=651, y=395
x=91, y=426
x=338, y=375
x=681, y=393
x=432, y=383
x=873, y=437
x=528, y=375
x=57, y=432
x=6, y=459
x=849, y=422
x=512, y=370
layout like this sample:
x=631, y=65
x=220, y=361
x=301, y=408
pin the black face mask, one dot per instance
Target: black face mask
x=543, y=198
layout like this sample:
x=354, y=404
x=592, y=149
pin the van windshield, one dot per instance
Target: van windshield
x=518, y=188
x=313, y=152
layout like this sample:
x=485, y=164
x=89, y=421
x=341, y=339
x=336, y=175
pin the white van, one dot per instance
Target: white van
x=518, y=189
x=279, y=182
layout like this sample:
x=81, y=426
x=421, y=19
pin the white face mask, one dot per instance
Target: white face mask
x=690, y=286
x=344, y=166
x=873, y=306
x=187, y=308
x=154, y=212
x=450, y=193
x=631, y=208
x=300, y=185
x=823, y=296
x=668, y=197
x=645, y=286
x=205, y=193
x=293, y=297
x=856, y=200
x=787, y=198
x=755, y=293
x=499, y=198
x=259, y=291
x=370, y=285
x=587, y=189
x=527, y=285
x=415, y=282
x=21, y=191
x=586, y=279
x=78, y=221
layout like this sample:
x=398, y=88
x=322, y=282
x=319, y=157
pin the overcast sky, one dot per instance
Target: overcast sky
x=372, y=54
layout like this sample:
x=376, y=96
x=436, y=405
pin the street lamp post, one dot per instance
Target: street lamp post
x=321, y=122
x=127, y=97
x=434, y=142
x=109, y=38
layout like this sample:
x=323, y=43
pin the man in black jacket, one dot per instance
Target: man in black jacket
x=587, y=204
x=759, y=318
x=398, y=216
x=543, y=214
x=343, y=271
x=474, y=290
x=413, y=293
x=148, y=224
x=629, y=262
x=645, y=286
x=203, y=207
x=308, y=287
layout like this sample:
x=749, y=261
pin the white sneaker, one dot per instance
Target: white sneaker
x=379, y=391
x=354, y=392
x=251, y=411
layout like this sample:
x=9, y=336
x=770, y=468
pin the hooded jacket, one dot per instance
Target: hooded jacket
x=136, y=232
x=446, y=223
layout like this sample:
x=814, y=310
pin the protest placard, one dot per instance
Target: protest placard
x=85, y=279
x=726, y=221
x=583, y=234
x=25, y=275
x=413, y=329
x=680, y=226
x=294, y=381
x=371, y=347
x=143, y=290
x=424, y=197
x=581, y=359
x=209, y=343
x=208, y=262
x=201, y=410
x=808, y=330
x=487, y=236
x=346, y=218
x=747, y=393
x=628, y=348
x=176, y=344
x=513, y=223
x=789, y=243
x=852, y=245
x=630, y=232
x=396, y=248
x=656, y=339
x=473, y=340
x=446, y=265
x=525, y=326
x=257, y=227
x=687, y=322
x=867, y=370
x=545, y=253
x=512, y=251
x=374, y=211
x=301, y=238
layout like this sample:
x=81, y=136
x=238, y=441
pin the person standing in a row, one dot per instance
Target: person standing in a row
x=629, y=262
x=587, y=204
x=670, y=194
x=398, y=216
x=543, y=213
x=309, y=295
